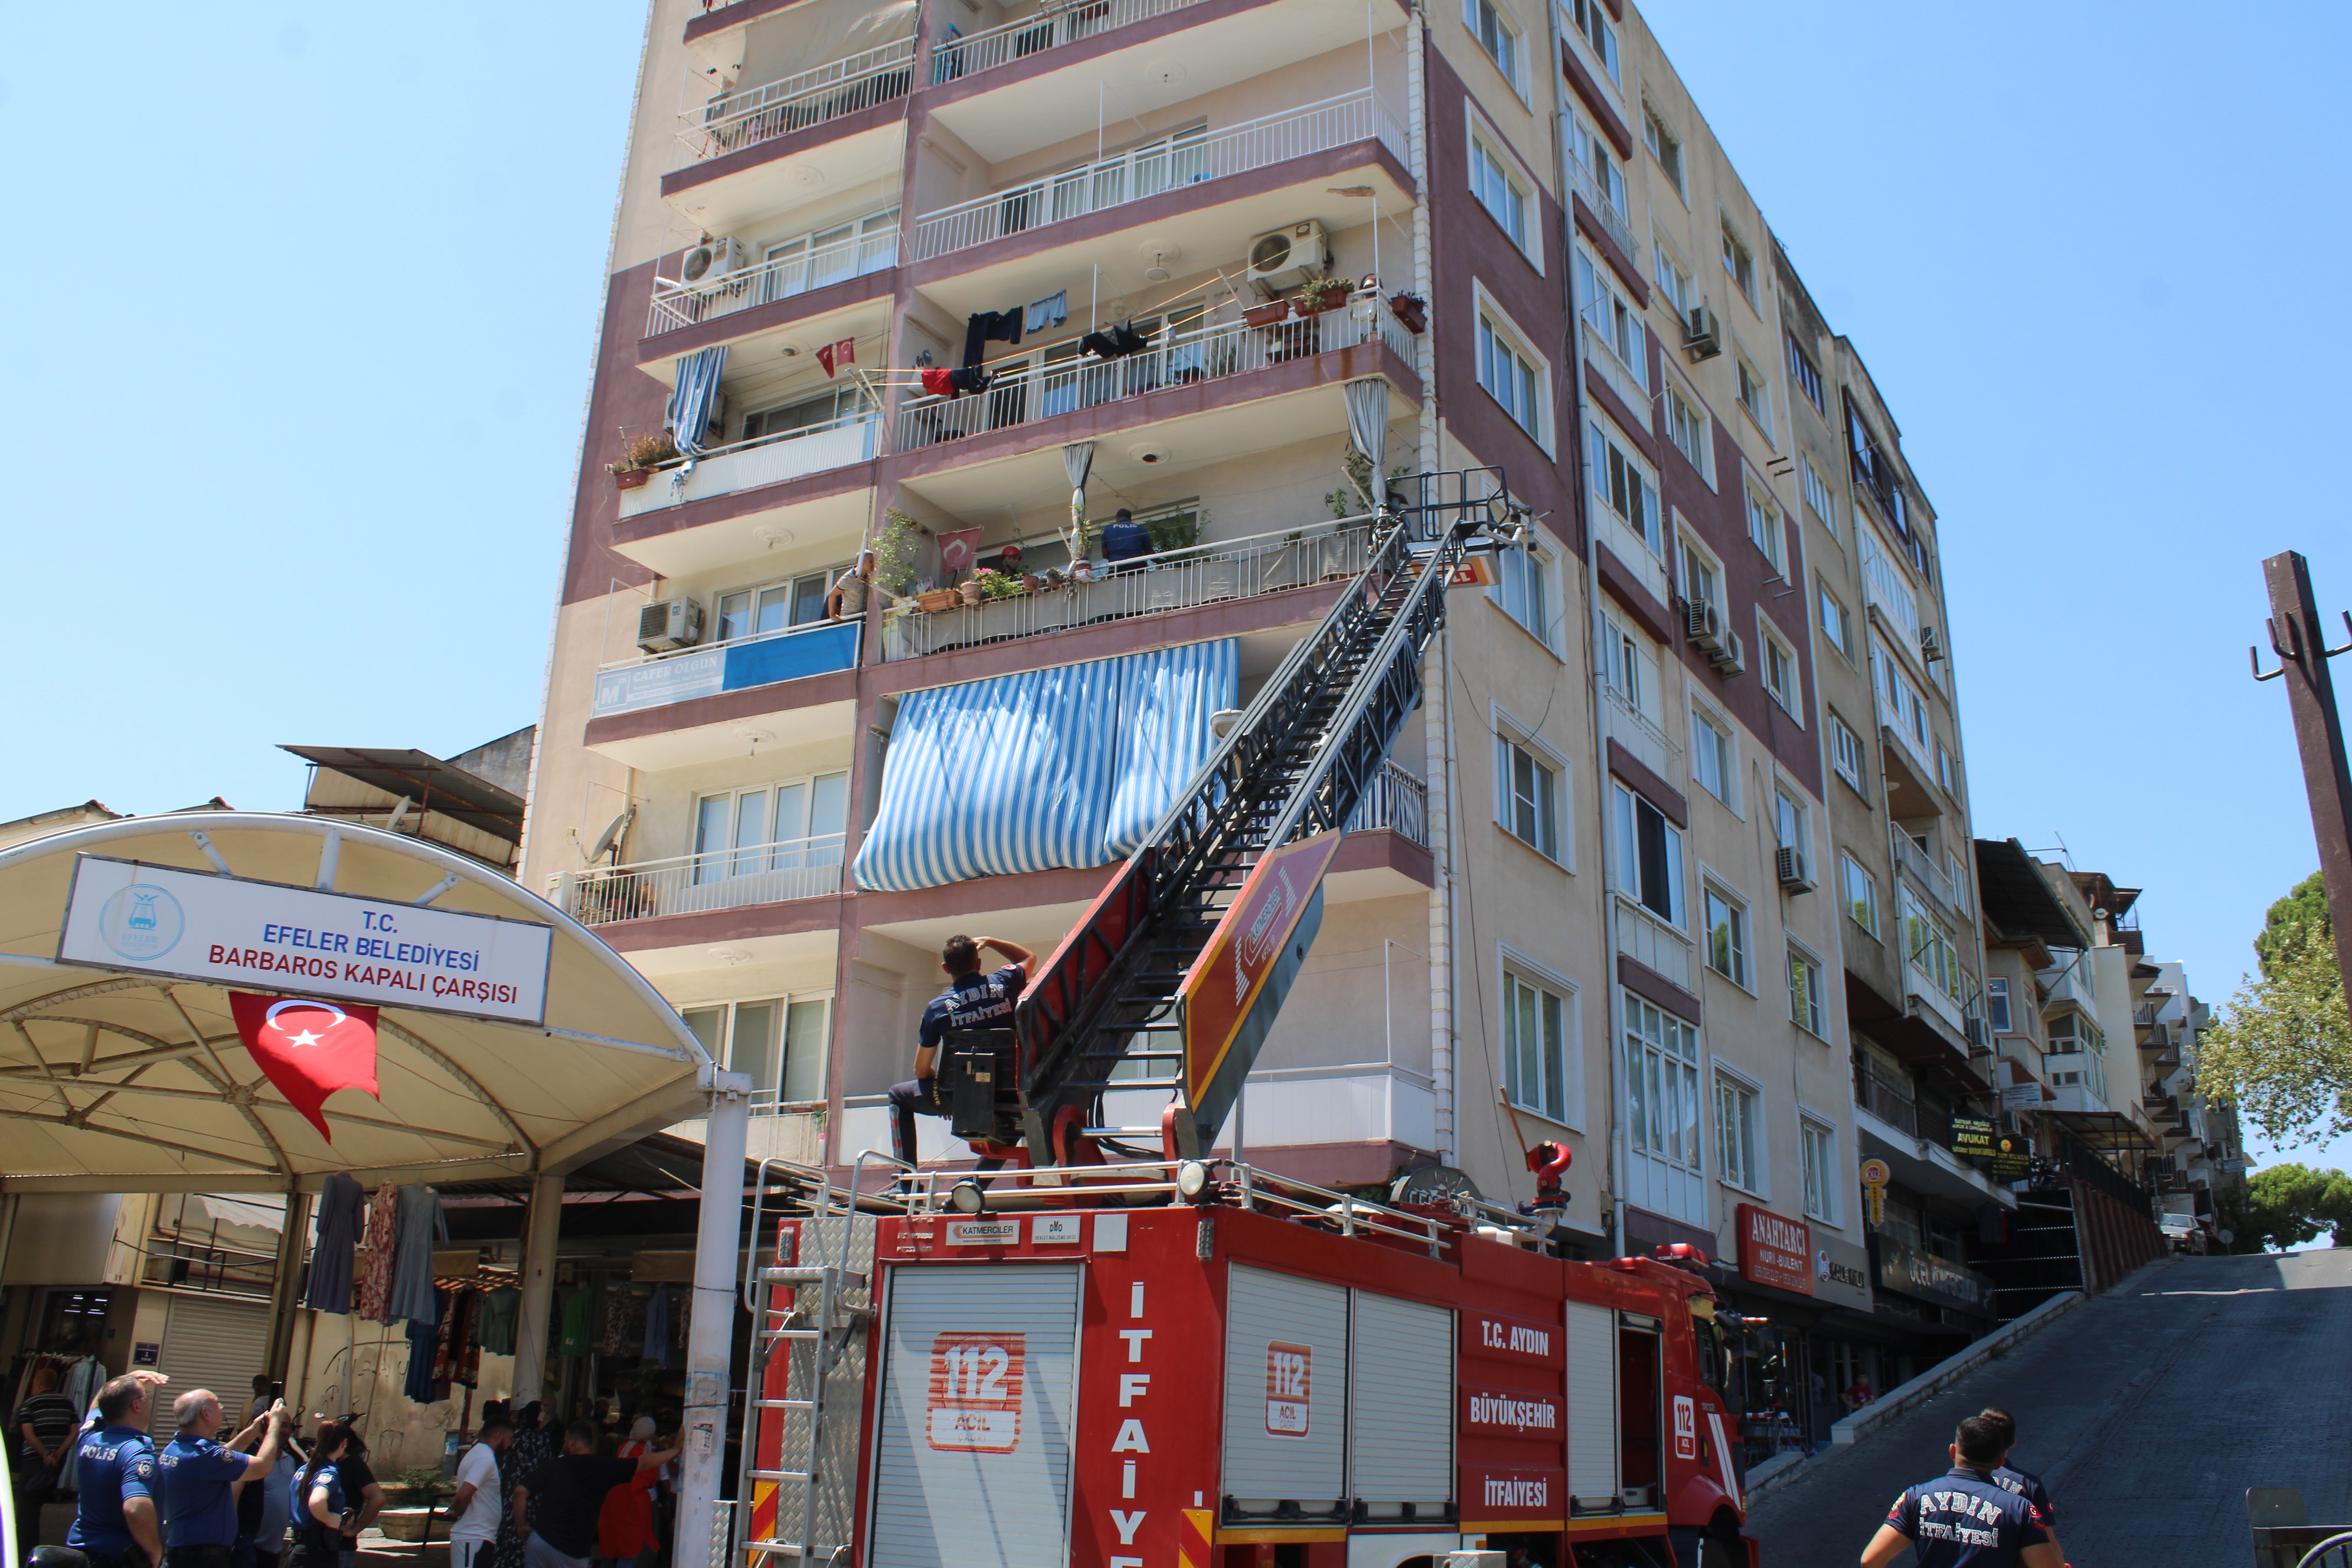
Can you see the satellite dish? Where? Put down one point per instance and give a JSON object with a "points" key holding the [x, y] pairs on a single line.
{"points": [[1441, 1184], [611, 836]]}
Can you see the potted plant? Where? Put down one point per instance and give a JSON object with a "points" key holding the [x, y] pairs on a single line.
{"points": [[994, 584], [640, 457], [894, 552], [933, 600], [1412, 311], [1266, 315], [1317, 297], [420, 1491]]}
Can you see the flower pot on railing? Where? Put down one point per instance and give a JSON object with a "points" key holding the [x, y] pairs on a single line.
{"points": [[631, 479], [968, 591], [1411, 313], [1318, 298], [937, 599], [1266, 315]]}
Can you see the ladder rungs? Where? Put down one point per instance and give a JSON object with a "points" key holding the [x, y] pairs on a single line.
{"points": [[791, 1333], [785, 1403], [781, 1476]]}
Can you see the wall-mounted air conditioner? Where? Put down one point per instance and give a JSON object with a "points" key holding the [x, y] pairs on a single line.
{"points": [[667, 624], [1284, 256], [1731, 658], [710, 261], [1702, 334], [1703, 624], [1795, 875], [1931, 647]]}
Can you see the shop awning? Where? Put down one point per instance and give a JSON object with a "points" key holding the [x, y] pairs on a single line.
{"points": [[131, 1077]]}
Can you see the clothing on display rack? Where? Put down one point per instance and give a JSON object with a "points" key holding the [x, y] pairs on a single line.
{"points": [[578, 1307], [374, 1277], [342, 1208], [655, 1348], [616, 1323], [421, 1337], [500, 1308], [456, 1358], [421, 1224]]}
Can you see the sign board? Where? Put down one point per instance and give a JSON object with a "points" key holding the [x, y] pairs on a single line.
{"points": [[1907, 1271], [1246, 951], [1775, 1251], [2021, 1097], [1511, 1413], [2011, 1163], [659, 681], [983, 1233], [1521, 1341], [302, 941], [1841, 1272], [1874, 1177], [1685, 1426], [975, 1394], [1972, 1136], [1290, 1382]]}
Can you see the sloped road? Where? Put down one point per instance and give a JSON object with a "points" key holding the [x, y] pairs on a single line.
{"points": [[2149, 1415]]}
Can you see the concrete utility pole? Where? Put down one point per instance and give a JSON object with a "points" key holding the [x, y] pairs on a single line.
{"points": [[2302, 646]]}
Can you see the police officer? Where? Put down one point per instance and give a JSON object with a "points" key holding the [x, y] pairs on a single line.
{"points": [[1966, 1519], [114, 1513], [197, 1475], [971, 1001], [2024, 1483]]}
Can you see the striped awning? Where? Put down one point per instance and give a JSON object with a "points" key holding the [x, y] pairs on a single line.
{"points": [[1071, 766]]}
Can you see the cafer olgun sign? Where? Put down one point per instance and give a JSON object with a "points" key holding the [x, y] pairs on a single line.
{"points": [[267, 936]]}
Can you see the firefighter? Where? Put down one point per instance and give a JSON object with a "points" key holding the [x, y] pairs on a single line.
{"points": [[2024, 1483], [1965, 1518], [971, 1001]]}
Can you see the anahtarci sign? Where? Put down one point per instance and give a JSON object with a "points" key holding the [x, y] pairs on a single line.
{"points": [[232, 930]]}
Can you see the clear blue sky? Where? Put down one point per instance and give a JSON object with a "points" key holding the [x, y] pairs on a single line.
{"points": [[305, 298]]}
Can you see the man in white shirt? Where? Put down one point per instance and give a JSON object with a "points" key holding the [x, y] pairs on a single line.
{"points": [[474, 1512]]}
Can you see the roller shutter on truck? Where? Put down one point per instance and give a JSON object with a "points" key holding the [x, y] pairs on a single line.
{"points": [[1591, 1405], [1401, 1406], [1285, 1391], [978, 1396]]}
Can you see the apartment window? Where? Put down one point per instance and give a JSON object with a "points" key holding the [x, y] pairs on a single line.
{"points": [[1997, 1003], [1531, 796], [1509, 377], [814, 260], [1764, 529], [1664, 146], [1944, 768], [1591, 23], [1739, 261], [1789, 820], [1816, 492], [1817, 1151], [1727, 936], [1781, 672], [1661, 1082], [1649, 857], [1833, 624], [1525, 592], [1929, 947], [1755, 396], [1612, 318], [1673, 278], [775, 828], [1860, 889], [1701, 583], [1503, 197], [1739, 1161], [1805, 1008], [1496, 35], [1623, 484], [2071, 1033], [1535, 1047], [774, 606], [1845, 754], [1804, 372], [778, 1041], [1899, 698], [1713, 757], [810, 414], [1686, 429]]}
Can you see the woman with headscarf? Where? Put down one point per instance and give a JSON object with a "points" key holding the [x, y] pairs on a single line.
{"points": [[625, 1527], [531, 1447]]}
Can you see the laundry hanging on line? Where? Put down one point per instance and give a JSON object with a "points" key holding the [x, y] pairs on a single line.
{"points": [[985, 327], [1050, 311], [1120, 341]]}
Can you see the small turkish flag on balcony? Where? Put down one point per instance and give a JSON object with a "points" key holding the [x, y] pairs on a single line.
{"points": [[309, 1048]]}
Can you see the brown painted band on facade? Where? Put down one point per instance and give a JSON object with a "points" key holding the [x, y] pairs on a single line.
{"points": [[1643, 981], [876, 285], [1635, 428], [1589, 92], [1617, 581], [1636, 776], [1587, 224]]}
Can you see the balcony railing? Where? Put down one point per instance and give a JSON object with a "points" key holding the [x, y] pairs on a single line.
{"points": [[1160, 166], [1896, 1109], [762, 460], [1647, 939], [682, 675], [1920, 869], [1042, 389], [779, 277], [1612, 222], [1150, 584], [1051, 28], [1632, 729], [693, 884], [751, 115], [1396, 800]]}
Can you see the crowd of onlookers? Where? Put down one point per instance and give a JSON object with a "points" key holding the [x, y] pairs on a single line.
{"points": [[531, 1490]]}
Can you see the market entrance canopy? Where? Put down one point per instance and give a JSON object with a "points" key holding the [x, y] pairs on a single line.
{"points": [[510, 1039]]}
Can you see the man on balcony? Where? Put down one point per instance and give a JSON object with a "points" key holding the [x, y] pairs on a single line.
{"points": [[971, 1001], [1124, 540]]}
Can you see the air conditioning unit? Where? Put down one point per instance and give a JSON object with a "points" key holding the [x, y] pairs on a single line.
{"points": [[711, 261], [1702, 334], [1704, 626], [1283, 257], [1974, 1028], [1790, 864], [1931, 647], [1730, 658], [668, 624]]}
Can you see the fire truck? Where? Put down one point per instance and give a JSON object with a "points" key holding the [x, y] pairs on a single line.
{"points": [[1102, 1353]]}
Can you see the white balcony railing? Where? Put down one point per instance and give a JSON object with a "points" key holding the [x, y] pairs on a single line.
{"points": [[1921, 870], [1887, 588], [1395, 800], [763, 460], [1052, 28], [1647, 939], [747, 116], [1632, 729], [779, 277], [692, 884], [1160, 166], [1613, 223], [1150, 584], [1040, 389]]}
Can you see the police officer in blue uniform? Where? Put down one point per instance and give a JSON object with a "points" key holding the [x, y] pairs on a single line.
{"points": [[971, 1001], [1966, 1519], [2024, 1483], [114, 1512], [197, 1476]]}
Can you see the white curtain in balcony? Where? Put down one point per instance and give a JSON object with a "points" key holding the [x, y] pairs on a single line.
{"points": [[696, 398], [1368, 423], [1066, 767], [1078, 461]]}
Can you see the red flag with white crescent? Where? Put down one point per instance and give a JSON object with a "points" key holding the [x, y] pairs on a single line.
{"points": [[309, 1048]]}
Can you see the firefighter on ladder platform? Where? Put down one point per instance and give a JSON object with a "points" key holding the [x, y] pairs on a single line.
{"points": [[971, 1001]]}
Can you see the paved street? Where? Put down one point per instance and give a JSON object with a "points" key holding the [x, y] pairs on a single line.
{"points": [[2237, 1364]]}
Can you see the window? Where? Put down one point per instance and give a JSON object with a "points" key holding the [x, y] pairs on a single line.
{"points": [[1944, 769], [1509, 377], [1675, 280], [1804, 372], [1805, 994], [1502, 196], [1781, 673], [1817, 1151], [2071, 1033], [779, 1041], [1754, 396], [811, 413], [777, 830], [1764, 529], [1845, 754], [1535, 1047], [1525, 592], [1664, 146], [1649, 857], [1738, 1160], [1623, 485], [1713, 758], [1997, 1003], [814, 261], [775, 607], [1631, 668], [1701, 583], [1591, 23], [1860, 889], [1739, 261], [1496, 35], [1686, 429], [1789, 820], [1899, 701], [1834, 625], [1661, 1082], [1816, 489], [1529, 803], [1929, 947], [1612, 318], [1727, 936]]}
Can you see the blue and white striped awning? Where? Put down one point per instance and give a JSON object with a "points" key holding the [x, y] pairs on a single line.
{"points": [[1071, 766]]}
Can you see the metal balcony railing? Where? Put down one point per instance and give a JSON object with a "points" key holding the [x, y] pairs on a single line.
{"points": [[1613, 223], [1041, 390], [1052, 28], [1396, 800], [747, 116], [1645, 939], [677, 305], [1633, 730], [1916, 864], [761, 460], [691, 884], [1159, 167], [1896, 1109]]}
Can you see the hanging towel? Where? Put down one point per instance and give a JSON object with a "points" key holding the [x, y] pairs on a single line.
{"points": [[376, 1266], [1050, 311], [422, 1334], [657, 1342], [421, 1224], [341, 1209], [499, 1310], [990, 326]]}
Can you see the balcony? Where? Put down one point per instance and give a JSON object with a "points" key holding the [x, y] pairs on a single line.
{"points": [[1633, 730], [1052, 28], [657, 680], [749, 465], [749, 116], [1887, 1103], [1396, 801], [1152, 585], [697, 884], [1650, 941], [1916, 864], [1613, 223], [755, 151], [677, 306]]}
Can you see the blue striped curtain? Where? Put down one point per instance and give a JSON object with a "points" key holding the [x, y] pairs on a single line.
{"points": [[696, 396], [1066, 767]]}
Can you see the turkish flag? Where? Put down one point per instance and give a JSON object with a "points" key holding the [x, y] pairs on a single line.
{"points": [[309, 1048], [957, 549]]}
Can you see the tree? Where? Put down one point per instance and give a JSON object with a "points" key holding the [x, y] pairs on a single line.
{"points": [[2288, 1206], [2283, 1050]]}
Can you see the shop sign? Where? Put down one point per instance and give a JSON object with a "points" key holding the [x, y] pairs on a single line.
{"points": [[1775, 1251], [658, 682], [2021, 1097], [231, 931], [1972, 1136], [1907, 1271], [1841, 1272], [2011, 1163]]}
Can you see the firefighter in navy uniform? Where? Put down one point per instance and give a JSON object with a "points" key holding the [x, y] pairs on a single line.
{"points": [[1966, 1519], [2024, 1483], [971, 1001]]}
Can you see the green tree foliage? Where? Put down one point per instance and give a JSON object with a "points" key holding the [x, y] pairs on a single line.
{"points": [[2283, 1051], [2289, 1205]]}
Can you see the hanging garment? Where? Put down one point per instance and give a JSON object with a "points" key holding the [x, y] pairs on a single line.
{"points": [[578, 1306], [1121, 341], [422, 1333], [616, 1323], [421, 1224], [375, 1265], [935, 381], [341, 1209], [969, 378], [1050, 311], [499, 1310], [655, 1348], [990, 326]]}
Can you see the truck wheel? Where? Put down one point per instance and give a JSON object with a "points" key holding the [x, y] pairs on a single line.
{"points": [[1717, 1553]]}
